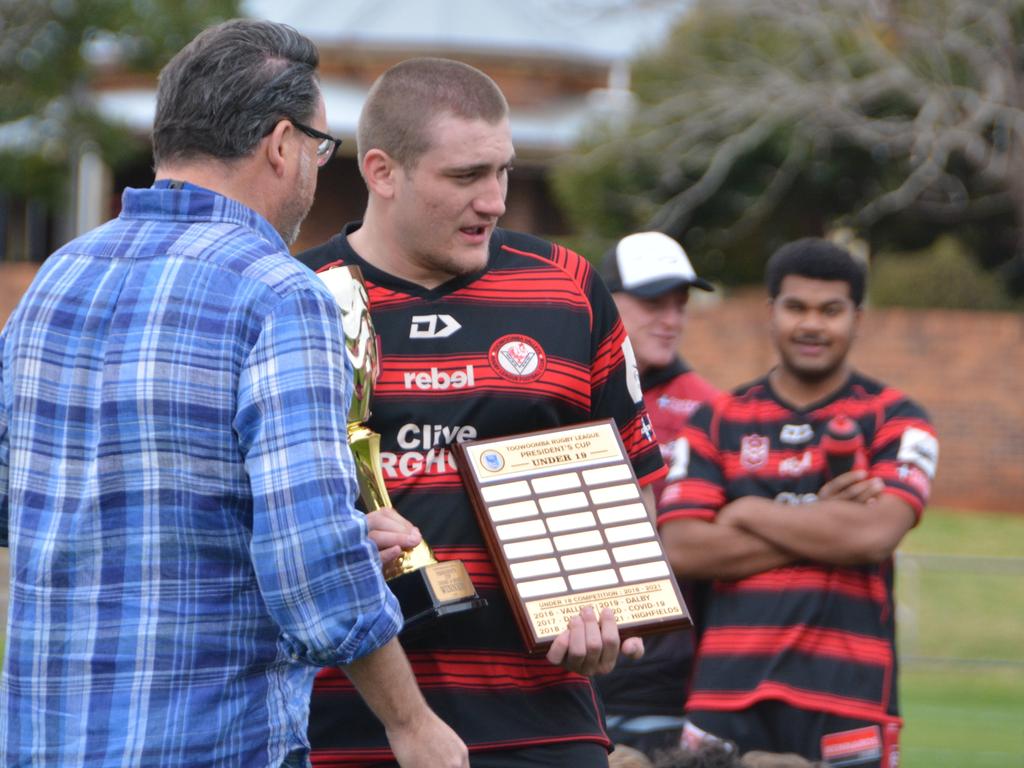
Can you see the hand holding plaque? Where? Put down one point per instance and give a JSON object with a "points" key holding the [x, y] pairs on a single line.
{"points": [[565, 523], [425, 587]]}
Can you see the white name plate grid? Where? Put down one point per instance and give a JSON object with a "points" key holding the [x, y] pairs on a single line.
{"points": [[565, 523]]}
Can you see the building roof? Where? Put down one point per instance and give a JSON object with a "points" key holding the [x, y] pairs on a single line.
{"points": [[599, 30], [600, 33]]}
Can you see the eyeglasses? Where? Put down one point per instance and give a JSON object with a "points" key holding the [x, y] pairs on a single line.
{"points": [[328, 144]]}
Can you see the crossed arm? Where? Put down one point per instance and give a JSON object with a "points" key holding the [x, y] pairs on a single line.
{"points": [[852, 522]]}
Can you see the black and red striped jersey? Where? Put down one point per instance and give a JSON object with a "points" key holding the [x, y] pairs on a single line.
{"points": [[531, 342], [656, 683], [816, 636], [672, 395]]}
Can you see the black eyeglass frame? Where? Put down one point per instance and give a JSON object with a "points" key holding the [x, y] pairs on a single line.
{"points": [[323, 152]]}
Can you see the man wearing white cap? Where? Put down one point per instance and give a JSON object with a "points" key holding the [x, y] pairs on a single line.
{"points": [[650, 278]]}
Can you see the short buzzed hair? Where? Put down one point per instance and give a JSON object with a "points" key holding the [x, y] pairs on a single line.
{"points": [[405, 100], [817, 259]]}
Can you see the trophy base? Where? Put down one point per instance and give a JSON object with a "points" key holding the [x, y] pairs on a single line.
{"points": [[435, 590]]}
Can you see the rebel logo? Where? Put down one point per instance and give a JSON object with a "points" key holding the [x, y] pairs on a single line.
{"points": [[437, 379], [795, 466], [517, 358]]}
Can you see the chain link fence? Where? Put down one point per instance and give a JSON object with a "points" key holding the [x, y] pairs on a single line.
{"points": [[960, 610]]}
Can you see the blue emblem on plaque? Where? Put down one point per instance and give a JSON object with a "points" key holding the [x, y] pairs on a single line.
{"points": [[492, 460]]}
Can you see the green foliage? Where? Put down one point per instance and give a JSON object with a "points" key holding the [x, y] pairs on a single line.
{"points": [[603, 198], [943, 275], [50, 54], [761, 122], [50, 48]]}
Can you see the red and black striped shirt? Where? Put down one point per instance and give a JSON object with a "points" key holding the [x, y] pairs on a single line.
{"points": [[814, 635], [529, 343], [656, 684]]}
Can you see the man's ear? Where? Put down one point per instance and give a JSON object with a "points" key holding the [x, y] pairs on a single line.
{"points": [[379, 171], [277, 145]]}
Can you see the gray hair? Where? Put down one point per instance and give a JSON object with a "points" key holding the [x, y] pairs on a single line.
{"points": [[229, 87]]}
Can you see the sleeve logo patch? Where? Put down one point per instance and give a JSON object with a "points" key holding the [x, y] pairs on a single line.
{"points": [[919, 448], [677, 455], [632, 373]]}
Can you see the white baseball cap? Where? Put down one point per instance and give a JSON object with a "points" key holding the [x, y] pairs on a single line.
{"points": [[648, 264]]}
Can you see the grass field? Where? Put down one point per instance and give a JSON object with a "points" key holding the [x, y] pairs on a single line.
{"points": [[962, 718], [960, 587]]}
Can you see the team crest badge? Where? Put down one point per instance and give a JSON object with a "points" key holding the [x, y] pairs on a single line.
{"points": [[492, 460], [517, 358], [753, 451]]}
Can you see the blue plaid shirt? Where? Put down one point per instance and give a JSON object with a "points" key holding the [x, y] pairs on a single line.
{"points": [[178, 496]]}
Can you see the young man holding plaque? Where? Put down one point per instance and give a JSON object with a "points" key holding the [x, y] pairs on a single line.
{"points": [[484, 333], [650, 278], [797, 652], [175, 481]]}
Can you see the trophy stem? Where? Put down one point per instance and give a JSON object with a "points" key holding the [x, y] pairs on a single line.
{"points": [[426, 588], [365, 445]]}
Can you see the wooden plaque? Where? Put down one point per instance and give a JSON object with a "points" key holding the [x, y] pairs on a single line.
{"points": [[565, 524]]}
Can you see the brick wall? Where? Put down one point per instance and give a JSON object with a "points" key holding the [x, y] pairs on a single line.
{"points": [[966, 368], [14, 279]]}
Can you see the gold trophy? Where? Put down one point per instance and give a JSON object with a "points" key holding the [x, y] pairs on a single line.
{"points": [[425, 587]]}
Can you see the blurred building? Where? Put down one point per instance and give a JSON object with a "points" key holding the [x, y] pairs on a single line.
{"points": [[563, 64]]}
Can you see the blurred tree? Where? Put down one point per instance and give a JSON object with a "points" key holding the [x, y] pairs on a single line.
{"points": [[763, 120], [942, 276], [50, 52]]}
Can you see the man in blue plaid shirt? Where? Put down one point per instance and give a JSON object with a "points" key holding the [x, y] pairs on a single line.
{"points": [[175, 485]]}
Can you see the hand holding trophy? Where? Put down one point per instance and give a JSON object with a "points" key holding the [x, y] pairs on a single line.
{"points": [[425, 587]]}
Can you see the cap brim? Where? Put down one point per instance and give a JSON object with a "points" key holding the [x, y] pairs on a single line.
{"points": [[655, 289]]}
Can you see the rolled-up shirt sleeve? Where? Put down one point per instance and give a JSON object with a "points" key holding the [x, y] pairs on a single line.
{"points": [[318, 572]]}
